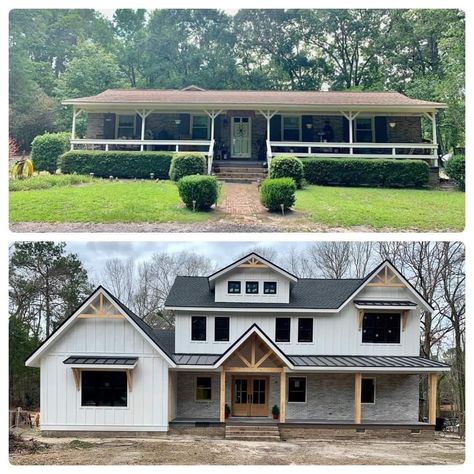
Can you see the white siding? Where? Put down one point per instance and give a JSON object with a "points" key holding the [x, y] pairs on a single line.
{"points": [[248, 274], [61, 409], [333, 333]]}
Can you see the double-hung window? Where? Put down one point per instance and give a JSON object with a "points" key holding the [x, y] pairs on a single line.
{"points": [[364, 129], [125, 126], [381, 328], [203, 389], [282, 329], [198, 328], [305, 329], [221, 328], [291, 128], [297, 389], [200, 127]]}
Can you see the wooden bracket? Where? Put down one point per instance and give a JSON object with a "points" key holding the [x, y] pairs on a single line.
{"points": [[404, 319], [360, 315], [77, 378], [130, 379]]}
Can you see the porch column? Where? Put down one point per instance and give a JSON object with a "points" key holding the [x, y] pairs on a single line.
{"points": [[75, 113], [222, 398], [213, 114], [350, 117], [432, 397], [433, 124], [143, 114], [357, 399], [282, 396]]}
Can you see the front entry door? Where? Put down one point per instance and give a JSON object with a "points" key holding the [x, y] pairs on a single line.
{"points": [[241, 137], [250, 396]]}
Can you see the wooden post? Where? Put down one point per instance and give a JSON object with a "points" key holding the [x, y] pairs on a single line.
{"points": [[357, 399], [351, 133], [433, 124], [142, 136], [213, 116], [282, 396], [432, 398], [222, 398]]}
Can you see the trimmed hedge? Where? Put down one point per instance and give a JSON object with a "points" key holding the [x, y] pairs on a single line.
{"points": [[366, 172], [456, 170], [287, 167], [277, 191], [187, 164], [46, 150], [120, 164], [204, 190]]}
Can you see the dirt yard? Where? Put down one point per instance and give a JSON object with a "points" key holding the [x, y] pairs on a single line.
{"points": [[197, 450]]}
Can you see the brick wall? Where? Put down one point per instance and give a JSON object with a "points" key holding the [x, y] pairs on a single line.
{"points": [[406, 130], [95, 125]]}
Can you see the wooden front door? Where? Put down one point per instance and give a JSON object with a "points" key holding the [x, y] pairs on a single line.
{"points": [[241, 137], [250, 396]]}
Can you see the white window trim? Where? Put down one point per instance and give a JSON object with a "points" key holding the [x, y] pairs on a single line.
{"points": [[289, 339], [372, 124], [305, 389], [83, 407], [300, 134], [191, 329], [380, 344], [117, 120], [375, 391], [195, 389], [230, 337], [191, 123], [229, 281]]}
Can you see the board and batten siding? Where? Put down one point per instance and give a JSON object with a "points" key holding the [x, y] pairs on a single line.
{"points": [[333, 333], [61, 408]]}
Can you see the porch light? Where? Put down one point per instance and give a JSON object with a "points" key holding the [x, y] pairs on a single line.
{"points": [[177, 121], [392, 124], [309, 126]]}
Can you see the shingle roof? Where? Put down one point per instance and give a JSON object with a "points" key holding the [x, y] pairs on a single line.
{"points": [[271, 98], [305, 294]]}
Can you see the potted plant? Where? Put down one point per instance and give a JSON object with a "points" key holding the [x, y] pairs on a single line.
{"points": [[227, 411], [275, 412]]}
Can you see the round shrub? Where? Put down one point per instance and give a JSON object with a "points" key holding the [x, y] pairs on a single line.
{"points": [[186, 164], [277, 191], [287, 167], [204, 190], [456, 170], [46, 150]]}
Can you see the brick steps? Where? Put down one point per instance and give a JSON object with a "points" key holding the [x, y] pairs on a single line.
{"points": [[252, 433], [238, 174]]}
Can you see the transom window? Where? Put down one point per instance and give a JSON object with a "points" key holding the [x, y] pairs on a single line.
{"points": [[198, 328], [364, 129], [233, 287], [270, 287], [282, 329], [251, 287], [368, 391], [381, 328], [125, 126], [103, 388], [291, 127], [297, 389], [200, 127], [305, 330], [203, 388], [221, 329]]}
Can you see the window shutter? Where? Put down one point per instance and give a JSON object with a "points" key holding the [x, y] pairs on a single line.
{"points": [[381, 129], [307, 133], [138, 127], [345, 130], [109, 126], [184, 126], [275, 128]]}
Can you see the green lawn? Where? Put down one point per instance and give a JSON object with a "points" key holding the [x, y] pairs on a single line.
{"points": [[103, 201], [421, 210]]}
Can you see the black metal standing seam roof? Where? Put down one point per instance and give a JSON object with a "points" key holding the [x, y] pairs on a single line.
{"points": [[305, 294], [88, 360], [384, 303], [196, 359]]}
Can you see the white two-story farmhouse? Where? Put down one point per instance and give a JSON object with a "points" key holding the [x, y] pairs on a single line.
{"points": [[247, 339]]}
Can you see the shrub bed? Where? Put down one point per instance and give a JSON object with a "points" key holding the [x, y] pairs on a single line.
{"points": [[366, 172], [204, 190], [120, 164], [456, 170], [277, 191], [287, 167], [187, 164], [46, 150]]}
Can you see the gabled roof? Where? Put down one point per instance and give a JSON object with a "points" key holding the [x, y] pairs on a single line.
{"points": [[137, 322]]}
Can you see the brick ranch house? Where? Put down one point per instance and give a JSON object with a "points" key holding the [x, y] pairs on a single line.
{"points": [[340, 355], [247, 128]]}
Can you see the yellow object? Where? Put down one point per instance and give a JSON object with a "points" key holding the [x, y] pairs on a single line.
{"points": [[23, 169]]}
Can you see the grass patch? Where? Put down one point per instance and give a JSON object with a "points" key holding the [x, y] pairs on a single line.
{"points": [[79, 444], [402, 209], [105, 202], [45, 181]]}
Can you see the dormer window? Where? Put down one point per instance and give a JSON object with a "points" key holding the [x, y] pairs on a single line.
{"points": [[270, 288], [233, 287], [251, 287]]}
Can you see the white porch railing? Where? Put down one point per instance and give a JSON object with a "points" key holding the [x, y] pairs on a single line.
{"points": [[269, 156]]}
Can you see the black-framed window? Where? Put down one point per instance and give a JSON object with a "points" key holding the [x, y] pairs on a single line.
{"points": [[233, 287], [291, 127], [100, 388], [198, 328], [282, 329], [305, 329], [270, 287], [251, 287], [221, 328], [368, 391], [203, 388], [381, 328], [297, 389]]}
